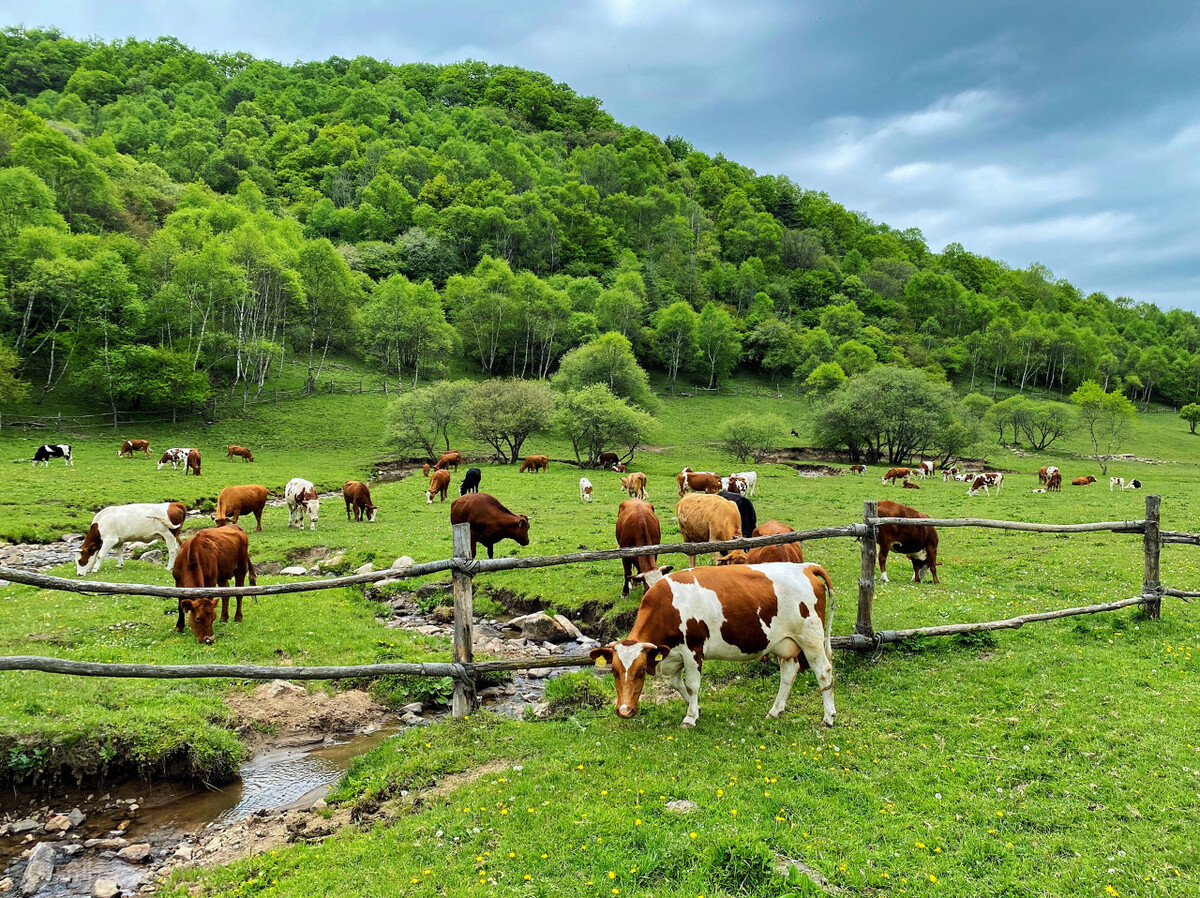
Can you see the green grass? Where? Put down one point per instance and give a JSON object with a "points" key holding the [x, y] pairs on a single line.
{"points": [[1058, 759]]}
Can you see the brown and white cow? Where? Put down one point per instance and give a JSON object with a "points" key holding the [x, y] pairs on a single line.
{"points": [[618, 469], [735, 483], [131, 446], [209, 559], [984, 481], [490, 521], [1083, 481], [895, 474], [697, 482], [635, 485], [439, 483], [791, 553], [708, 518], [1054, 482], [535, 463], [585, 489], [241, 452], [950, 473], [1044, 473], [115, 526], [637, 525], [451, 459], [193, 462], [358, 498], [174, 458], [301, 497], [919, 543], [860, 470], [925, 469], [727, 614], [751, 480], [235, 501]]}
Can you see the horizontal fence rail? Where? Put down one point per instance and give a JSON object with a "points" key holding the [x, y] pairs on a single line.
{"points": [[1114, 526]]}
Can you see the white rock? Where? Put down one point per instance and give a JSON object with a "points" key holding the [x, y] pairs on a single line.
{"points": [[682, 806], [59, 823], [413, 708], [365, 569], [282, 687], [184, 852], [403, 561], [39, 870], [105, 888], [294, 571], [571, 629], [135, 854]]}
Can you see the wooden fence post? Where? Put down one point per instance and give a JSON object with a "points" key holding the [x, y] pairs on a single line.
{"points": [[464, 700], [866, 573], [1151, 586], [58, 423]]}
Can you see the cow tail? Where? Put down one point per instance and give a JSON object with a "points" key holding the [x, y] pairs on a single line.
{"points": [[824, 575]]}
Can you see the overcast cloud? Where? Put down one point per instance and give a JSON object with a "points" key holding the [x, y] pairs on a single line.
{"points": [[1063, 133]]}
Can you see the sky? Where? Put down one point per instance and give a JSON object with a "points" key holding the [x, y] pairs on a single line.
{"points": [[1064, 133]]}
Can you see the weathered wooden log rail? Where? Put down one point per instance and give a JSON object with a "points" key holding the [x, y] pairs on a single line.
{"points": [[464, 669]]}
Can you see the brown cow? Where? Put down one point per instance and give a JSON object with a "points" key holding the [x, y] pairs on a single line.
{"points": [[358, 496], [704, 518], [789, 552], [697, 482], [425, 469], [637, 525], [235, 501], [535, 463], [909, 485], [132, 446], [1083, 481], [439, 483], [860, 470], [608, 459], [209, 559], [490, 521], [451, 459], [635, 485], [895, 474], [1054, 482], [193, 462], [920, 544], [241, 452]]}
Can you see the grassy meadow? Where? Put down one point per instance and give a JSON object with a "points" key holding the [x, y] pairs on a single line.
{"points": [[1059, 759]]}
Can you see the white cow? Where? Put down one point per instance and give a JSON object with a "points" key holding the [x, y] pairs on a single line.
{"points": [[301, 497], [117, 525], [585, 489]]}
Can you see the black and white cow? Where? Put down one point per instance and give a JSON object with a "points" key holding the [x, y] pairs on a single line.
{"points": [[47, 452]]}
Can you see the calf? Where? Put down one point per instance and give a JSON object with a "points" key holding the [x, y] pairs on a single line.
{"points": [[1054, 482], [909, 485], [1083, 481], [193, 463], [113, 527], [44, 453], [919, 543], [746, 513], [535, 463], [618, 469], [1114, 482], [174, 458], [235, 501], [490, 521], [950, 473], [1132, 485], [637, 525], [791, 553], [301, 497], [697, 481], [709, 518], [439, 485], [585, 489], [241, 452], [470, 483], [860, 470], [451, 459], [895, 474], [984, 481], [209, 559], [358, 498], [727, 614], [131, 446], [635, 485]]}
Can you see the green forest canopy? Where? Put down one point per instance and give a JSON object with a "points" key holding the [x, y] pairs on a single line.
{"points": [[174, 221]]}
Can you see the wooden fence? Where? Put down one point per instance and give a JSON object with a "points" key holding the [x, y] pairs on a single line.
{"points": [[464, 669]]}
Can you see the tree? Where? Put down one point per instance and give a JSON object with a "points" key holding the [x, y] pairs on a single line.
{"points": [[1107, 417], [595, 421], [750, 436], [1047, 422], [404, 327], [420, 422], [718, 344], [1191, 414], [824, 381], [675, 329], [1010, 414], [503, 413], [12, 389], [608, 359]]}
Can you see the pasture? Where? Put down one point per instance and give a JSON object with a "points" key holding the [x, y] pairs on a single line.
{"points": [[1059, 759]]}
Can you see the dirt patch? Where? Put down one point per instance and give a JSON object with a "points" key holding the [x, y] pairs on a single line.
{"points": [[306, 555], [284, 714], [805, 469]]}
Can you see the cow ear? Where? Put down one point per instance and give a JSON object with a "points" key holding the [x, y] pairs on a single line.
{"points": [[186, 605], [665, 569], [654, 655], [601, 654]]}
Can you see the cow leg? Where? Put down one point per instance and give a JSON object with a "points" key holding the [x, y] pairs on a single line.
{"points": [[822, 668], [179, 623], [258, 517], [239, 579], [788, 668], [627, 564], [883, 554], [224, 601], [671, 667], [172, 550], [691, 685]]}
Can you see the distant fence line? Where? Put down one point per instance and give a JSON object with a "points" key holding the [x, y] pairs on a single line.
{"points": [[463, 669]]}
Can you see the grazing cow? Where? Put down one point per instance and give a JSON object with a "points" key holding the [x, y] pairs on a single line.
{"points": [[746, 512], [985, 480], [301, 497], [860, 470], [618, 469], [585, 489], [950, 473], [1083, 481], [792, 553], [909, 485], [1054, 482], [117, 525], [1132, 485], [193, 463], [635, 485], [708, 518], [895, 474], [235, 501], [751, 479], [608, 459], [451, 459], [470, 483], [241, 452], [637, 525], [425, 469], [535, 463], [920, 544], [1044, 473], [925, 469], [174, 458], [358, 497], [698, 481], [490, 521], [44, 453], [439, 485], [131, 446], [727, 614], [209, 559]]}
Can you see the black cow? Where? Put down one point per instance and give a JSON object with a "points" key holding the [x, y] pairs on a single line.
{"points": [[745, 510], [470, 482], [47, 452]]}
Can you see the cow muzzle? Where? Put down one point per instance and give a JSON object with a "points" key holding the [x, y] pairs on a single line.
{"points": [[626, 712]]}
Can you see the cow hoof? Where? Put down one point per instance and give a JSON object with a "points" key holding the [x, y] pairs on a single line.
{"points": [[773, 715], [688, 724], [237, 618], [827, 723]]}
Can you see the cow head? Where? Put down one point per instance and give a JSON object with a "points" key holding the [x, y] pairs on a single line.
{"points": [[201, 614], [521, 530], [649, 578], [733, 556], [631, 662], [313, 506], [369, 511], [89, 551]]}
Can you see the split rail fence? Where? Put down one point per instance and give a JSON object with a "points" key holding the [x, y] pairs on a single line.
{"points": [[463, 668]]}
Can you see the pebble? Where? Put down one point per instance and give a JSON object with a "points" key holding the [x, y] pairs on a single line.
{"points": [[135, 854]]}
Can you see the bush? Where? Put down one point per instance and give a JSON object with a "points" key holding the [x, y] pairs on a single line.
{"points": [[573, 691], [750, 436]]}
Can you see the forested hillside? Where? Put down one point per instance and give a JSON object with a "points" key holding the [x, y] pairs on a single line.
{"points": [[174, 223]]}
